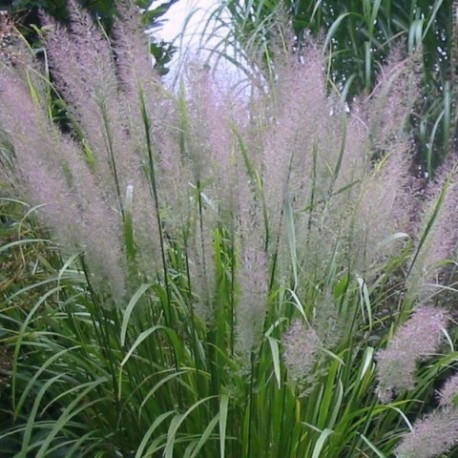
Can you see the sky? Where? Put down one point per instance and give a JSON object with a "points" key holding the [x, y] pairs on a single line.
{"points": [[194, 14], [176, 16]]}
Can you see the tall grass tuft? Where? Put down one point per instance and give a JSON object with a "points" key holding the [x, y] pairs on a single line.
{"points": [[199, 274]]}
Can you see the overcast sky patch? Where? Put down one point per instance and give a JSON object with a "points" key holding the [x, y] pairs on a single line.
{"points": [[186, 24]]}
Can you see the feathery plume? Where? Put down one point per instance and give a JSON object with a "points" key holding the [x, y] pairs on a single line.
{"points": [[252, 270], [449, 392], [55, 177], [384, 208], [438, 238], [391, 102], [301, 345], [417, 339], [252, 307], [433, 435]]}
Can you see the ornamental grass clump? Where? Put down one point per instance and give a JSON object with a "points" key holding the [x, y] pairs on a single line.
{"points": [[208, 275]]}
